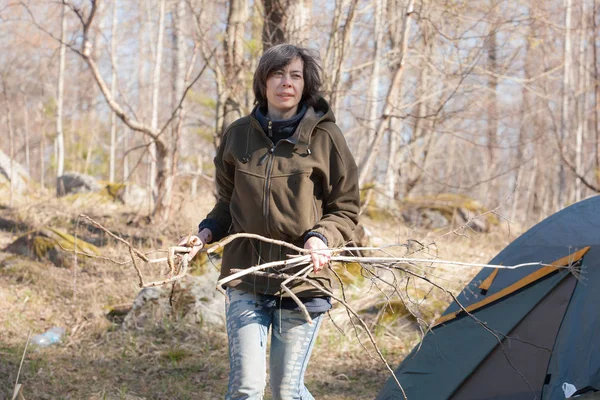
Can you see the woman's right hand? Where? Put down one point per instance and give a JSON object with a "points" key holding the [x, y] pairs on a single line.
{"points": [[196, 242]]}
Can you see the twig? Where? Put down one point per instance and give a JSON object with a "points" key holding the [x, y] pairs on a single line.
{"points": [[120, 239], [294, 261], [17, 385], [303, 272]]}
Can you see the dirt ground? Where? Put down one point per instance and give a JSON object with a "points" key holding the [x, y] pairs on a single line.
{"points": [[176, 358]]}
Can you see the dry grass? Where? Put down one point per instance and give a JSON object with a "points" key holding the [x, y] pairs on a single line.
{"points": [[175, 358]]}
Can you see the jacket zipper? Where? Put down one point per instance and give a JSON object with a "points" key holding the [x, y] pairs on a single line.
{"points": [[267, 191]]}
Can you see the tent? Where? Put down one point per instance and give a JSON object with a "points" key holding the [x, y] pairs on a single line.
{"points": [[545, 319]]}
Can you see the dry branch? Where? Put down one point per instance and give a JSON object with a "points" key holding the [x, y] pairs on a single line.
{"points": [[178, 260]]}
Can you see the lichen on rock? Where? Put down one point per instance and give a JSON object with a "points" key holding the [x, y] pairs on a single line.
{"points": [[52, 244]]}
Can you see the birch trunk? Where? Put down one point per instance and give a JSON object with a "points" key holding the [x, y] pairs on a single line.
{"points": [[395, 128], [27, 144], [581, 106], [60, 141], [42, 145], [153, 150], [113, 91], [286, 21], [11, 145], [339, 41], [373, 93], [178, 89], [390, 102], [523, 137], [492, 115], [595, 45], [232, 93], [561, 197]]}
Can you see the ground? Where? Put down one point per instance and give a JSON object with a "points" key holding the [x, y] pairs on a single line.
{"points": [[171, 358]]}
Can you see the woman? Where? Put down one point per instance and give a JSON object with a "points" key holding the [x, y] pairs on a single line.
{"points": [[284, 172]]}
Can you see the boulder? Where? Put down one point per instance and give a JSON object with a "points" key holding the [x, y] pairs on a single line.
{"points": [[20, 176], [74, 182], [447, 210], [135, 195], [51, 244], [194, 300]]}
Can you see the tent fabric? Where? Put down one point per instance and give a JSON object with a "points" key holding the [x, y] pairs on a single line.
{"points": [[571, 259], [540, 327], [557, 315]]}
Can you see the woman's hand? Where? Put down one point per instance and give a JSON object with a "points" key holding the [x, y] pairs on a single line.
{"points": [[319, 258], [196, 242]]}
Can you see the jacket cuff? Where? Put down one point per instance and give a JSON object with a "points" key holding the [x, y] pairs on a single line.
{"points": [[215, 229], [315, 234]]}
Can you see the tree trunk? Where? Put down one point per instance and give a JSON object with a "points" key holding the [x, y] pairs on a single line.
{"points": [[374, 84], [178, 89], [523, 138], [390, 102], [561, 194], [286, 21], [339, 41], [113, 91], [27, 143], [42, 145], [60, 141], [153, 149], [232, 94], [595, 44], [11, 145], [582, 105], [492, 113]]}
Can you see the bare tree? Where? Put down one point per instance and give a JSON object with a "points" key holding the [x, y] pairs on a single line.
{"points": [[561, 193], [113, 91], [365, 166], [60, 142], [11, 139]]}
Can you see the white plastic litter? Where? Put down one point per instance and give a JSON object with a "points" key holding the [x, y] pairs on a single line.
{"points": [[568, 389]]}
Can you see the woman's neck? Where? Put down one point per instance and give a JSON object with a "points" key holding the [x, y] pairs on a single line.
{"points": [[277, 115]]}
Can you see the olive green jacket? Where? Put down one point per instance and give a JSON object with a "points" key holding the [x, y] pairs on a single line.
{"points": [[305, 183]]}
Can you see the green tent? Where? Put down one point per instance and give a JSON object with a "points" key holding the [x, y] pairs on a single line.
{"points": [[545, 322]]}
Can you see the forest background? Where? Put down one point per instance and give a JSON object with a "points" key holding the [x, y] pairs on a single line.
{"points": [[490, 102]]}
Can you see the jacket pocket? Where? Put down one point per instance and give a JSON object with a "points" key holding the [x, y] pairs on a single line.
{"points": [[293, 209], [246, 203]]}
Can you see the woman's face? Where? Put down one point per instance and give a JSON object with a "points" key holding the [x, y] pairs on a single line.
{"points": [[284, 89]]}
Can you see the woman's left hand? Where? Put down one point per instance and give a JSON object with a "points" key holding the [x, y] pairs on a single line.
{"points": [[321, 258]]}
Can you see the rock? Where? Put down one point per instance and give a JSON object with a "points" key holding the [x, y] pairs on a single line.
{"points": [[135, 195], [447, 209], [52, 244], [20, 176], [195, 300], [462, 217], [425, 218], [74, 182]]}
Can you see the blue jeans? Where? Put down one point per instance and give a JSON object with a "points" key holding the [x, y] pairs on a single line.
{"points": [[249, 317]]}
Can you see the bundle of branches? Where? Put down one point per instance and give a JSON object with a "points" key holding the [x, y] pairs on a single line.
{"points": [[385, 271]]}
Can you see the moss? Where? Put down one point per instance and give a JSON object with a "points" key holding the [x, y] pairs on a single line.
{"points": [[114, 190], [447, 203], [41, 245], [393, 310], [51, 244], [69, 242], [348, 272]]}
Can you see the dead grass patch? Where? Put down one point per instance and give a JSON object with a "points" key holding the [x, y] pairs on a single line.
{"points": [[172, 358]]}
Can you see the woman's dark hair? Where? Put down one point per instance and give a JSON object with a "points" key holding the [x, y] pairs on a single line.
{"points": [[276, 58]]}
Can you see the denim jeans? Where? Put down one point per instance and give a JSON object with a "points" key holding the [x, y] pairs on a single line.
{"points": [[249, 317]]}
